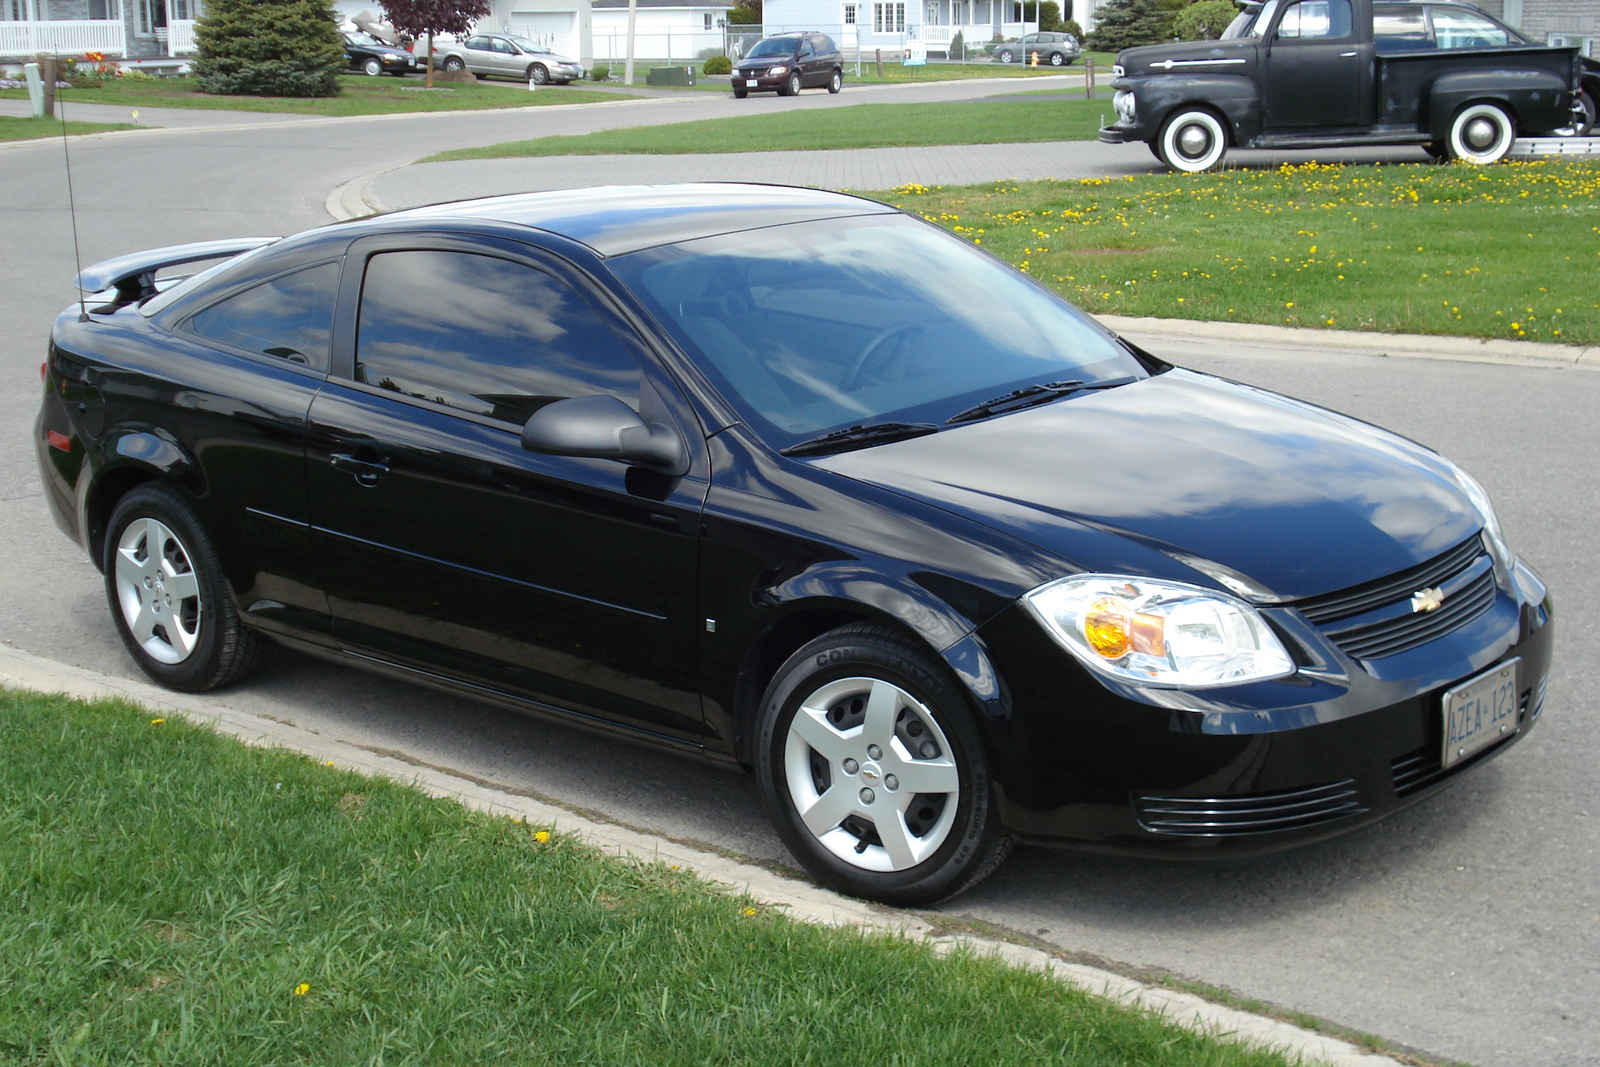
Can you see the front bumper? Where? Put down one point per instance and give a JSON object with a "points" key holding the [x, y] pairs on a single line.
{"points": [[762, 81], [1089, 765], [1118, 134]]}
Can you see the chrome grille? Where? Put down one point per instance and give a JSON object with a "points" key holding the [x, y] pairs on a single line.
{"points": [[1255, 813]]}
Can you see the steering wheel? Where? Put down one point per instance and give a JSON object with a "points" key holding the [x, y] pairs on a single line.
{"points": [[883, 350]]}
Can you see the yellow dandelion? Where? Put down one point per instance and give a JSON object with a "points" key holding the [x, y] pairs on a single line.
{"points": [[749, 912], [302, 989], [541, 836], [157, 722]]}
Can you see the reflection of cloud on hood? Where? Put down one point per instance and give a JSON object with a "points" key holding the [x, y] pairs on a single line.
{"points": [[1298, 498]]}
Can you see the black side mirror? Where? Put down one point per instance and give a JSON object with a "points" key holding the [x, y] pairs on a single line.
{"points": [[603, 427]]}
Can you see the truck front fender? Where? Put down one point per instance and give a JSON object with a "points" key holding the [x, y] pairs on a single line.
{"points": [[1235, 98], [1537, 99]]}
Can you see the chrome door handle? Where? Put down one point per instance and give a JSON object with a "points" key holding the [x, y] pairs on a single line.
{"points": [[1346, 55], [367, 472]]}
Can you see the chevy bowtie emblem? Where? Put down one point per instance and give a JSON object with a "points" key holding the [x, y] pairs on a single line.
{"points": [[1431, 599]]}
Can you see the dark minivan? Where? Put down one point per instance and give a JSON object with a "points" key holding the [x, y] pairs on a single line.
{"points": [[785, 63]]}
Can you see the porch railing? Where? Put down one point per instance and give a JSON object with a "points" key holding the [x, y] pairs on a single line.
{"points": [[67, 37], [180, 37]]}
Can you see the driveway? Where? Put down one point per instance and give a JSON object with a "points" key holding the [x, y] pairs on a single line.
{"points": [[1467, 927]]}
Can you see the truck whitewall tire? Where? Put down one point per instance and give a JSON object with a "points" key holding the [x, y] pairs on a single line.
{"points": [[1192, 140], [1481, 133]]}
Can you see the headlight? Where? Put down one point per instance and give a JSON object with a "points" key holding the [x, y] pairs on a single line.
{"points": [[1159, 633], [1122, 101], [777, 72], [1485, 509]]}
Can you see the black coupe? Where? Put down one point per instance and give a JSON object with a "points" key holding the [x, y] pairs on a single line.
{"points": [[791, 480]]}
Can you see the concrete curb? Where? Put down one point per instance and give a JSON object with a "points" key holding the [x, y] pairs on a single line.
{"points": [[799, 900], [1412, 346]]}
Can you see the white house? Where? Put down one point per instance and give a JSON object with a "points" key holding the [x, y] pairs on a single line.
{"points": [[117, 29], [663, 29], [892, 24]]}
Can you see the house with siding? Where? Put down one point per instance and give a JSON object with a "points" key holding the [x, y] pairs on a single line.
{"points": [[890, 25], [151, 30], [1569, 23], [670, 30]]}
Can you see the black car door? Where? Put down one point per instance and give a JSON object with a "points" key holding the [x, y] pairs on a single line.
{"points": [[456, 552], [1317, 73]]}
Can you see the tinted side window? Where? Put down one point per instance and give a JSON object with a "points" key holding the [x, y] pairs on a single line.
{"points": [[289, 317], [825, 43], [484, 335]]}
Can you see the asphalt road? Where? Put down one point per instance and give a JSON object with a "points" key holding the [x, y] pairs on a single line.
{"points": [[1468, 927]]}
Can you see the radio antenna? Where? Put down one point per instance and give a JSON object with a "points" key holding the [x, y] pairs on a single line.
{"points": [[72, 202]]}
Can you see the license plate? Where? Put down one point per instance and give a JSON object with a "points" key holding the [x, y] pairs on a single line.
{"points": [[751, 84], [1480, 712]]}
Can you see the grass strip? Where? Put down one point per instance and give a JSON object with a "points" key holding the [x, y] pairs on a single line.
{"points": [[174, 896], [859, 126], [1510, 251], [357, 96], [20, 129]]}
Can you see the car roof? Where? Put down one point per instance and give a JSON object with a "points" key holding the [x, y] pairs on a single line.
{"points": [[615, 220]]}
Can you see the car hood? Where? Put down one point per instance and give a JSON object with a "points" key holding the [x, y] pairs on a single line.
{"points": [[763, 62], [1191, 57], [1291, 500]]}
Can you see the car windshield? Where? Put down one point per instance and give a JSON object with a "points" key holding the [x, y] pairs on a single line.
{"points": [[811, 327], [774, 47], [363, 38], [527, 45], [1240, 25]]}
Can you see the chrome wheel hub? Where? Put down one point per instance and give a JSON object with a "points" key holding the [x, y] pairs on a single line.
{"points": [[1194, 140], [157, 591], [871, 774]]}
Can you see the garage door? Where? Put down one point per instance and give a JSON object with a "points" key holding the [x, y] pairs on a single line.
{"points": [[556, 30]]}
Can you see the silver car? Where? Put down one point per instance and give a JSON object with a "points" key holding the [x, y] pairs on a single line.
{"points": [[503, 55]]}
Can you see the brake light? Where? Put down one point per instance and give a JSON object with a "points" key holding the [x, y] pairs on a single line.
{"points": [[58, 440]]}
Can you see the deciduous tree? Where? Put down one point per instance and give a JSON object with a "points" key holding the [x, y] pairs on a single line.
{"points": [[424, 18]]}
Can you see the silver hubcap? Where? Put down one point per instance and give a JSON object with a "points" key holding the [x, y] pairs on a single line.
{"points": [[158, 591], [871, 774], [1194, 140], [1480, 134]]}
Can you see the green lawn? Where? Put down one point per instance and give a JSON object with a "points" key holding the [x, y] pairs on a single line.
{"points": [[859, 126], [174, 897], [358, 95], [1507, 251], [15, 129]]}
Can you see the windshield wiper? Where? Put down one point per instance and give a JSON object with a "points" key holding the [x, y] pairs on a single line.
{"points": [[855, 437], [1029, 395]]}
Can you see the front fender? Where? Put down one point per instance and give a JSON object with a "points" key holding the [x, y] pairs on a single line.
{"points": [[1157, 97], [1537, 99]]}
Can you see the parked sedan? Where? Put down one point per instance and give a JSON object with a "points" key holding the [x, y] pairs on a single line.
{"points": [[371, 56], [1053, 49], [793, 481], [505, 56]]}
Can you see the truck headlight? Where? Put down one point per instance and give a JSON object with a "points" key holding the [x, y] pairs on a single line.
{"points": [[1123, 102], [1159, 633]]}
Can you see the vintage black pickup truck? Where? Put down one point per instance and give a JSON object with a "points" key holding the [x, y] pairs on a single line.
{"points": [[1314, 73]]}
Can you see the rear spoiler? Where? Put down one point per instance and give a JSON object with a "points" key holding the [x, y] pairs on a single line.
{"points": [[133, 276]]}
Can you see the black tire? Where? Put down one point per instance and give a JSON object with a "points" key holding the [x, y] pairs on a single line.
{"points": [[452, 64], [1005, 55], [790, 87], [1583, 124], [371, 67], [538, 74], [836, 81], [168, 599], [1481, 133], [1192, 140], [739, 92], [865, 688]]}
